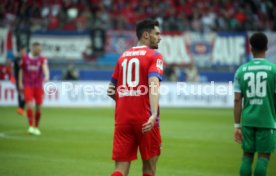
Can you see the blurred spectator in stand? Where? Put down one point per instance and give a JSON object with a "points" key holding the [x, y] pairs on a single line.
{"points": [[273, 16], [183, 23], [118, 19], [8, 57], [70, 11], [208, 20], [71, 73], [35, 14], [121, 23], [2, 14], [172, 73], [170, 22], [22, 27], [196, 22], [9, 14], [240, 20], [6, 72], [52, 15], [53, 22], [70, 23], [191, 74], [84, 20], [222, 23], [174, 15], [102, 19], [23, 19], [249, 18]]}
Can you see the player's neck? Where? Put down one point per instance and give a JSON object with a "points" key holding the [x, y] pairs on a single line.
{"points": [[259, 55], [34, 55], [142, 43]]}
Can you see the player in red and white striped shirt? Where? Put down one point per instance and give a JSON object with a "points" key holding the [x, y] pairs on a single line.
{"points": [[33, 72]]}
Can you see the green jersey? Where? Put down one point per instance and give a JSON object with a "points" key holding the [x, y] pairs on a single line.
{"points": [[256, 81]]}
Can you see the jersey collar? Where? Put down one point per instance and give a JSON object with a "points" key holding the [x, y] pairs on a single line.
{"points": [[31, 56], [259, 58], [142, 46]]}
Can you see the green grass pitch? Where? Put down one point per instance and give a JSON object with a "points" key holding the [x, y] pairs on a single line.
{"points": [[78, 141]]}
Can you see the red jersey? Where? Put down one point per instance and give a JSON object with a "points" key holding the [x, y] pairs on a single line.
{"points": [[5, 72], [32, 71], [130, 76]]}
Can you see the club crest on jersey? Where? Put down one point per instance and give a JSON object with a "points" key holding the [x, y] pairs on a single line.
{"points": [[159, 64]]}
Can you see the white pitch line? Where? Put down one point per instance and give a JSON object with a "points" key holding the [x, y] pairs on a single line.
{"points": [[2, 135], [14, 135]]}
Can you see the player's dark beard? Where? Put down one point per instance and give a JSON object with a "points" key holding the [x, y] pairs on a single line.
{"points": [[153, 46]]}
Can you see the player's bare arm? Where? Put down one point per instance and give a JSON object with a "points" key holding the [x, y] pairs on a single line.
{"points": [[45, 71], [275, 101], [111, 91], [237, 115], [153, 96]]}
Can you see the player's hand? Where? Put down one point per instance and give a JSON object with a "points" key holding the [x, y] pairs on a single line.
{"points": [[238, 135], [148, 125], [46, 79]]}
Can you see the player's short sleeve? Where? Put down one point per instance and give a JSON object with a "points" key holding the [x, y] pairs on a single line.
{"points": [[115, 75], [156, 66], [237, 86], [45, 60]]}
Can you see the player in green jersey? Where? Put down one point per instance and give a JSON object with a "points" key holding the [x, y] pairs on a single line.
{"points": [[254, 109]]}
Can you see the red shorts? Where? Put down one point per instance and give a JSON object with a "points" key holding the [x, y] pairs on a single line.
{"points": [[128, 138], [31, 94]]}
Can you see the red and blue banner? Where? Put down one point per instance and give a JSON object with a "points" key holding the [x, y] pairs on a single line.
{"points": [[203, 50]]}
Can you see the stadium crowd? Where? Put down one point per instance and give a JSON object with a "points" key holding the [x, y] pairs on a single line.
{"points": [[174, 15]]}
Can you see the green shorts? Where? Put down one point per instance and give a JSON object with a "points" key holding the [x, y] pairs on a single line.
{"points": [[261, 140]]}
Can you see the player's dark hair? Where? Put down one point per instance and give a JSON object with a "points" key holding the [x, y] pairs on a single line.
{"points": [[258, 42], [36, 44], [145, 25]]}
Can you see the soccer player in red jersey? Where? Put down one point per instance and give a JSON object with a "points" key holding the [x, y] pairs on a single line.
{"points": [[135, 88], [34, 70]]}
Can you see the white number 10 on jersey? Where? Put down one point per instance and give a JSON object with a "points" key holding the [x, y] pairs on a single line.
{"points": [[127, 72]]}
